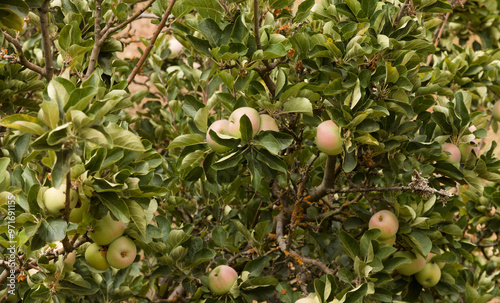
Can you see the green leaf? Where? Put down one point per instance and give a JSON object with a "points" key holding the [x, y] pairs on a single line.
{"points": [[246, 129], [268, 141], [200, 44], [243, 230], [207, 8], [52, 230], [292, 91], [211, 30], [228, 161], [116, 205], [298, 105], [61, 167], [49, 113], [422, 241], [186, 140], [181, 8], [137, 215], [350, 245], [94, 136], [256, 266], [175, 238], [219, 236], [23, 123], [124, 138]]}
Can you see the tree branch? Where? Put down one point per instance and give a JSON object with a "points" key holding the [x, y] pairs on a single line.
{"points": [[438, 36], [328, 180], [137, 15], [46, 43], [402, 12], [163, 21], [97, 41], [22, 58]]}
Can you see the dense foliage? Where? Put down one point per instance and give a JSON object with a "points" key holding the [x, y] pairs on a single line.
{"points": [[400, 80]]}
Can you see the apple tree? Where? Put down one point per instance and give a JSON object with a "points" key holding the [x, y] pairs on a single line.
{"points": [[337, 151]]}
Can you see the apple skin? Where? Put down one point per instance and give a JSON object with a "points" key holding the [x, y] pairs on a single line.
{"points": [[107, 230], [54, 200], [328, 138], [220, 127], [96, 257], [221, 279], [455, 156], [234, 121], [387, 222], [268, 123], [76, 213], [121, 253], [417, 263], [429, 276], [496, 111], [70, 258], [175, 47], [305, 300], [429, 258]]}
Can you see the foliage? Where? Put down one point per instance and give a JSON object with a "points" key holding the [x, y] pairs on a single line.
{"points": [[399, 79]]}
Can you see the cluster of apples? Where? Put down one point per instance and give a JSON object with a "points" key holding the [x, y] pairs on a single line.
{"points": [[231, 127], [427, 273], [54, 200], [110, 247]]}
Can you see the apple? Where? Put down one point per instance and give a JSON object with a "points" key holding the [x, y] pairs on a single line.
{"points": [[54, 201], [175, 47], [76, 213], [429, 258], [417, 263], [305, 300], [221, 128], [466, 148], [328, 138], [121, 253], [454, 156], [106, 230], [389, 241], [268, 123], [221, 279], [496, 111], [96, 257], [387, 222], [234, 121], [70, 258], [429, 276]]}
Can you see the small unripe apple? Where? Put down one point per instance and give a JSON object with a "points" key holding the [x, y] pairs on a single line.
{"points": [[106, 230], [76, 213], [453, 152], [387, 222], [54, 201], [221, 279], [221, 128], [96, 257], [496, 111], [121, 253], [429, 276], [417, 262], [234, 121], [268, 123], [328, 138], [175, 47]]}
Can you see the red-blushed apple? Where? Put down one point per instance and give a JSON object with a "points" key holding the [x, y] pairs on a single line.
{"points": [[221, 128], [417, 262], [121, 253], [496, 111], [268, 123], [305, 300], [221, 279], [106, 230], [329, 139], [387, 222], [429, 276], [234, 121], [453, 152], [96, 257]]}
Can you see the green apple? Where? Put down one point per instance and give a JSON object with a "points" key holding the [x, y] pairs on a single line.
{"points": [[417, 262], [107, 230], [234, 121], [221, 279], [121, 253], [221, 128], [387, 222], [96, 257], [54, 201], [453, 152], [268, 123], [76, 213], [429, 276], [329, 139], [429, 259], [496, 111]]}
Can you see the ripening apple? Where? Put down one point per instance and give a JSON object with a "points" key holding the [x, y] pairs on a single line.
{"points": [[268, 123], [106, 230], [305, 300], [496, 111], [121, 253], [221, 128], [453, 152], [234, 121], [96, 257], [328, 138], [429, 276], [387, 222], [417, 263], [221, 279]]}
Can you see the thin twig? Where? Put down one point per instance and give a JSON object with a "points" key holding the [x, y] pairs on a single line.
{"points": [[438, 37], [46, 42], [22, 58], [402, 11], [148, 49]]}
